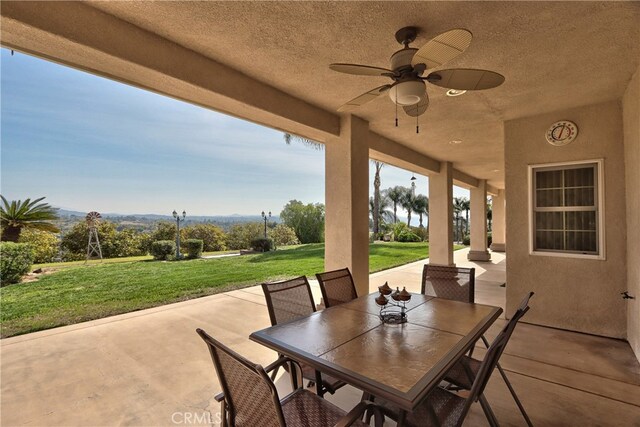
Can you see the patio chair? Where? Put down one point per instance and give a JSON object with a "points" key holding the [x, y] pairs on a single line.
{"points": [[337, 287], [250, 398], [442, 407], [454, 283], [463, 372], [289, 300]]}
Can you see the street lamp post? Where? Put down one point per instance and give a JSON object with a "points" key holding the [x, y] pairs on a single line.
{"points": [[265, 217], [178, 221]]}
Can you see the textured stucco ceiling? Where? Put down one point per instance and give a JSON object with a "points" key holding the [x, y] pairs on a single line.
{"points": [[554, 55]]}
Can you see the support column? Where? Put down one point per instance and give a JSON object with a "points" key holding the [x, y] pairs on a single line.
{"points": [[347, 201], [498, 242], [478, 224], [441, 216]]}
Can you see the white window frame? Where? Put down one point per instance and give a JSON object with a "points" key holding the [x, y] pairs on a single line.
{"points": [[601, 255]]}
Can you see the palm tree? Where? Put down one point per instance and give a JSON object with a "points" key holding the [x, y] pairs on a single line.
{"points": [[395, 195], [384, 213], [407, 201], [17, 215], [458, 208], [466, 204], [489, 215], [421, 206], [376, 198], [288, 138]]}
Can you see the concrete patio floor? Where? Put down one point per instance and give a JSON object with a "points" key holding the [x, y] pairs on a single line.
{"points": [[150, 368]]}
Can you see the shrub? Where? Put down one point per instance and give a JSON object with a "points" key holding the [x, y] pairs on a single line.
{"points": [[398, 228], [44, 244], [163, 249], [466, 240], [284, 235], [241, 235], [261, 244], [422, 232], [408, 236], [193, 248], [15, 262]]}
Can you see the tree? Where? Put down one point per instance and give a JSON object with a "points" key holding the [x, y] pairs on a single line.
{"points": [[283, 235], [376, 198], [74, 242], [212, 236], [240, 236], [407, 202], [458, 207], [288, 138], [466, 206], [114, 243], [17, 215], [421, 206], [306, 220], [489, 215], [395, 195], [44, 244], [165, 230], [384, 213]]}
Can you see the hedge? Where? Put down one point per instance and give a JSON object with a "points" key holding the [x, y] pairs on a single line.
{"points": [[193, 248], [15, 261], [163, 249]]}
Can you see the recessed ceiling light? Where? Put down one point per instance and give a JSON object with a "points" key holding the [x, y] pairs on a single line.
{"points": [[455, 92], [455, 142], [496, 170]]}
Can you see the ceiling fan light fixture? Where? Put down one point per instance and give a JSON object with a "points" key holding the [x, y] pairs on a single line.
{"points": [[455, 92], [409, 92]]}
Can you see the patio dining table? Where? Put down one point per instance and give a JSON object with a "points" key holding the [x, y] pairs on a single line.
{"points": [[400, 363]]}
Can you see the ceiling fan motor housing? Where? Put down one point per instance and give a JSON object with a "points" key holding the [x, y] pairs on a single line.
{"points": [[402, 58]]}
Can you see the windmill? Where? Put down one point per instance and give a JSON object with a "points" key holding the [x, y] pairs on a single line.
{"points": [[93, 247]]}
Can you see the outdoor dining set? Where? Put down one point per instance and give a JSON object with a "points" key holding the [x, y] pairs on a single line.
{"points": [[410, 354]]}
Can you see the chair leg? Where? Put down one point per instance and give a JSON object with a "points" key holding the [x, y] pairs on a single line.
{"points": [[223, 411], [293, 374], [510, 387], [488, 412], [319, 387], [515, 397]]}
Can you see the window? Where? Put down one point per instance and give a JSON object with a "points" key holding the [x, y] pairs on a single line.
{"points": [[567, 209]]}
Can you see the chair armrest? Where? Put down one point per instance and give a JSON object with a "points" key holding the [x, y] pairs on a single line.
{"points": [[279, 362], [358, 411], [219, 397]]}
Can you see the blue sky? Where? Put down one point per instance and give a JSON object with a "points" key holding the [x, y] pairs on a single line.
{"points": [[88, 143]]}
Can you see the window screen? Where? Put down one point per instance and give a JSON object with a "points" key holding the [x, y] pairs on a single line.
{"points": [[565, 209]]}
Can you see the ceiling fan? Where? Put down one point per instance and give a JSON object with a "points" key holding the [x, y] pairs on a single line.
{"points": [[408, 89]]}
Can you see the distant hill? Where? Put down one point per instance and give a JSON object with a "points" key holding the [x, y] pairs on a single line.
{"points": [[147, 221]]}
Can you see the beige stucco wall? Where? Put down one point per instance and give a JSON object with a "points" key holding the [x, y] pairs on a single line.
{"points": [[576, 294], [631, 118]]}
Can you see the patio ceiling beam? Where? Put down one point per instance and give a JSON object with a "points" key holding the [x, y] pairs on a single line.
{"points": [[390, 152], [83, 37]]}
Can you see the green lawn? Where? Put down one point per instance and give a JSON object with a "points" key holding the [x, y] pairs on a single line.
{"points": [[80, 293]]}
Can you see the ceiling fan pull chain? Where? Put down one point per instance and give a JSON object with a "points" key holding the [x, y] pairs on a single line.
{"points": [[396, 108], [417, 124]]}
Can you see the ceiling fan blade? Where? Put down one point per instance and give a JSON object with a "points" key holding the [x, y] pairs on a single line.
{"points": [[363, 99], [443, 48], [418, 109], [360, 70], [465, 79]]}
